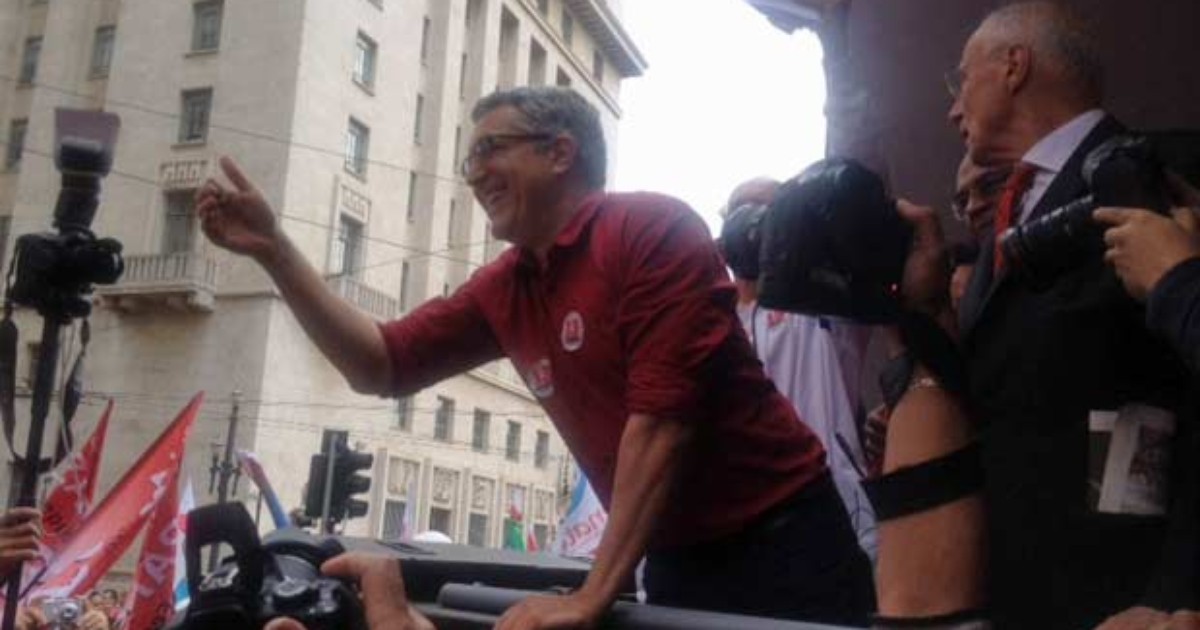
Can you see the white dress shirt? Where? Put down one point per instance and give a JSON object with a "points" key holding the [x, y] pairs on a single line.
{"points": [[1051, 153]]}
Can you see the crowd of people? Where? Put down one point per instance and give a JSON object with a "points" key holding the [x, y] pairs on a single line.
{"points": [[1054, 489]]}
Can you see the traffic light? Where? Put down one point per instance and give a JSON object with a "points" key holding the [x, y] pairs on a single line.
{"points": [[314, 495], [347, 483]]}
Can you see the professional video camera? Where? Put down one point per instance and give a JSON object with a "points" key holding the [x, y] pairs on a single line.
{"points": [[834, 244], [1123, 172], [263, 580], [55, 271]]}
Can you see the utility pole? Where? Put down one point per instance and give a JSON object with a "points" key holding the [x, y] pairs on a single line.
{"points": [[226, 469]]}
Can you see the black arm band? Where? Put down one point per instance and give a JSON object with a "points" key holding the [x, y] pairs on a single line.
{"points": [[926, 485]]}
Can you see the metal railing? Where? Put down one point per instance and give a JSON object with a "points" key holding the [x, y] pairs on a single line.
{"points": [[368, 299], [169, 270]]}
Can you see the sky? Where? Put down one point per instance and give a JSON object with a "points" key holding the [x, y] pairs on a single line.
{"points": [[727, 97]]}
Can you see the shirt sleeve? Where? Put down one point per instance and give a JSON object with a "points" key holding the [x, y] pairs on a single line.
{"points": [[441, 338], [676, 310], [1173, 310]]}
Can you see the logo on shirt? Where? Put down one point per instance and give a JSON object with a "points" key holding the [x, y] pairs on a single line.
{"points": [[572, 332], [774, 318], [540, 379]]}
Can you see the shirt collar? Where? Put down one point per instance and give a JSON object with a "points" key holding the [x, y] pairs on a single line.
{"points": [[572, 231], [1052, 152]]}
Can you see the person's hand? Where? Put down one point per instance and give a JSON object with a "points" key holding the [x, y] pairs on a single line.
{"points": [[93, 620], [382, 588], [20, 532], [925, 286], [1136, 618], [237, 219], [30, 618], [542, 612], [1180, 620], [1143, 246]]}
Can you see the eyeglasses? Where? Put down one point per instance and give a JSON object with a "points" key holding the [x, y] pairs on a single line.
{"points": [[487, 146], [986, 187], [954, 81]]}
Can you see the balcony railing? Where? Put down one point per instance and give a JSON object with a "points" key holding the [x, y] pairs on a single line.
{"points": [[185, 281], [371, 301]]}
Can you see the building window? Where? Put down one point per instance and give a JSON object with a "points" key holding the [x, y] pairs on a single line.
{"points": [[102, 50], [561, 79], [393, 519], [568, 27], [348, 247], [541, 453], [544, 7], [411, 211], [537, 64], [179, 225], [206, 25], [418, 117], [512, 442], [480, 430], [16, 142], [462, 78], [193, 124], [366, 51], [443, 422], [29, 61], [440, 520], [404, 280], [358, 139], [541, 534], [450, 223], [425, 27], [477, 527], [598, 65], [404, 406]]}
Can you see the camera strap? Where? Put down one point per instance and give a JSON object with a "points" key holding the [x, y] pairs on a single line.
{"points": [[72, 395], [8, 378]]}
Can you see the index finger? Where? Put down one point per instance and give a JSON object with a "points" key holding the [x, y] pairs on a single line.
{"points": [[1114, 216], [20, 515], [379, 577], [235, 174]]}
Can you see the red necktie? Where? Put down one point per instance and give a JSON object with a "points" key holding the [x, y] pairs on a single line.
{"points": [[1015, 187]]}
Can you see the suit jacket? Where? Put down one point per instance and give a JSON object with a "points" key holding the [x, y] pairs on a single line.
{"points": [[1039, 362]]}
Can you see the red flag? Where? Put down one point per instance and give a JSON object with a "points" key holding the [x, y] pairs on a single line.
{"points": [[71, 499], [113, 525], [151, 602]]}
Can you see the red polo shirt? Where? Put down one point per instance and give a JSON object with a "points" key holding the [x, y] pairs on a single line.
{"points": [[633, 313]]}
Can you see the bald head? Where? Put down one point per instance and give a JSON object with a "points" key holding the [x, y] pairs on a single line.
{"points": [[760, 190], [1060, 39]]}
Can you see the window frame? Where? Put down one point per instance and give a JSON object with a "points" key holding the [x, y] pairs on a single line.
{"points": [[207, 12], [187, 114]]}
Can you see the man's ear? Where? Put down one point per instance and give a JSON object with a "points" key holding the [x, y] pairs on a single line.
{"points": [[1018, 62], [563, 152]]}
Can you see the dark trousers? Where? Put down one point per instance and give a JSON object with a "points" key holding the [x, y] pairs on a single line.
{"points": [[799, 561]]}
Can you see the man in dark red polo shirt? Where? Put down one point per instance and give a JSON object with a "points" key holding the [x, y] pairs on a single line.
{"points": [[618, 312]]}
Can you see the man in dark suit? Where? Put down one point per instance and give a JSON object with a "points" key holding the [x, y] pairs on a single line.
{"points": [[1061, 377]]}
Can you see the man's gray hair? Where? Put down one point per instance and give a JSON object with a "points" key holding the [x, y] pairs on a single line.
{"points": [[1056, 33], [554, 110]]}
